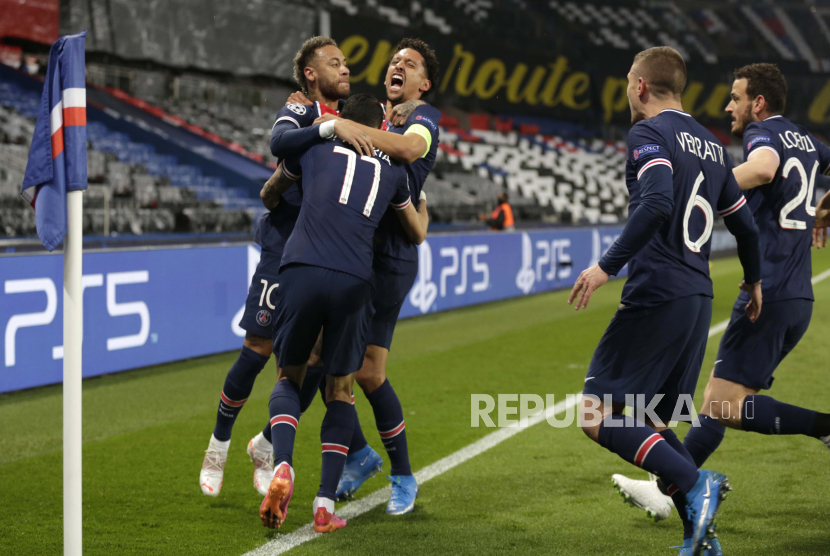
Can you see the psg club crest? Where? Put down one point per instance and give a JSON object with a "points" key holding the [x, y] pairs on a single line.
{"points": [[263, 318], [298, 109]]}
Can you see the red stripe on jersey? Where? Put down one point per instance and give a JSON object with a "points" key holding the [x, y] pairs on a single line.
{"points": [[741, 202], [655, 162], [394, 432]]}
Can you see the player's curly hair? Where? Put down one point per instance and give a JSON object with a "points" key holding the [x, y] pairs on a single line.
{"points": [[765, 80], [433, 68], [304, 56]]}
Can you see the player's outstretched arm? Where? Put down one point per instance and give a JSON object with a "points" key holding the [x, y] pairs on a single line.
{"points": [[415, 222], [288, 140], [760, 169], [822, 217], [405, 148], [272, 190]]}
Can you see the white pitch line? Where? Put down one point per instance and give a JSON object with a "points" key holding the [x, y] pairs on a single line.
{"points": [[358, 507], [721, 326]]}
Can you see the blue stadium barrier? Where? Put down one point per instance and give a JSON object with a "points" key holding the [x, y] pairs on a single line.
{"points": [[149, 306]]}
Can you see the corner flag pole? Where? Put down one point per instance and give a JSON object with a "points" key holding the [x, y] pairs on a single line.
{"points": [[73, 321], [53, 185]]}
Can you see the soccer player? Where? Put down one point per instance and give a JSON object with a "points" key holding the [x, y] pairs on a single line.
{"points": [[326, 282], [411, 75], [320, 69], [782, 163], [655, 343]]}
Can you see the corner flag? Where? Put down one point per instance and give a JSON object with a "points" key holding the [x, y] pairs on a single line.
{"points": [[57, 158]]}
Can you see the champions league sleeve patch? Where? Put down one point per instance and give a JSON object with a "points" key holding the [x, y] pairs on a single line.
{"points": [[759, 139], [645, 150], [424, 119], [298, 109]]}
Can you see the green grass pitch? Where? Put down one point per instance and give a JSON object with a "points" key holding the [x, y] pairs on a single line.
{"points": [[543, 491]]}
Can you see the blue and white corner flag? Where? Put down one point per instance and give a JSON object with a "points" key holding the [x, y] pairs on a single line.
{"points": [[57, 158]]}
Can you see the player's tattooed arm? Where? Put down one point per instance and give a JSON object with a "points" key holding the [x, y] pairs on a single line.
{"points": [[272, 190], [401, 112]]}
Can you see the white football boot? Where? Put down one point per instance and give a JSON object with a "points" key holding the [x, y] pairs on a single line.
{"points": [[826, 440], [261, 453], [213, 467], [645, 495]]}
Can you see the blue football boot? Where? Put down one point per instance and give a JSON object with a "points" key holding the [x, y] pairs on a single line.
{"points": [[404, 493], [360, 467], [686, 549], [703, 503]]}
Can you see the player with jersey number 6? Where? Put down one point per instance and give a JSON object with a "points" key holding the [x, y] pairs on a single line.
{"points": [[678, 174], [782, 164]]}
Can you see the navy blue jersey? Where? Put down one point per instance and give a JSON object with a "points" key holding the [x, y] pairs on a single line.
{"points": [[675, 262], [784, 209], [303, 115], [344, 197], [391, 240], [275, 227]]}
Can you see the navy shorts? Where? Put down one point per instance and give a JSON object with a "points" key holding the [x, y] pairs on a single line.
{"points": [[650, 351], [750, 352], [260, 307], [313, 298], [393, 281]]}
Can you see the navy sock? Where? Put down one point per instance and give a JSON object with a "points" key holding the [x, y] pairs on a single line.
{"points": [[644, 447], [235, 392], [677, 495], [704, 438], [335, 436], [358, 440], [315, 378], [284, 408], [390, 423], [767, 415]]}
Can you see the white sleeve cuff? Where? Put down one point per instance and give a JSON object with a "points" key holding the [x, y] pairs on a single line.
{"points": [[327, 129]]}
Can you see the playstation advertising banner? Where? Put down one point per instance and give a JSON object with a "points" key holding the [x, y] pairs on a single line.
{"points": [[145, 307]]}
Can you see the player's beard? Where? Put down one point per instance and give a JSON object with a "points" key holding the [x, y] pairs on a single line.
{"points": [[742, 122], [331, 91]]}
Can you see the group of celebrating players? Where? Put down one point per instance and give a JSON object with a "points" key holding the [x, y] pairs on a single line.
{"points": [[339, 257]]}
